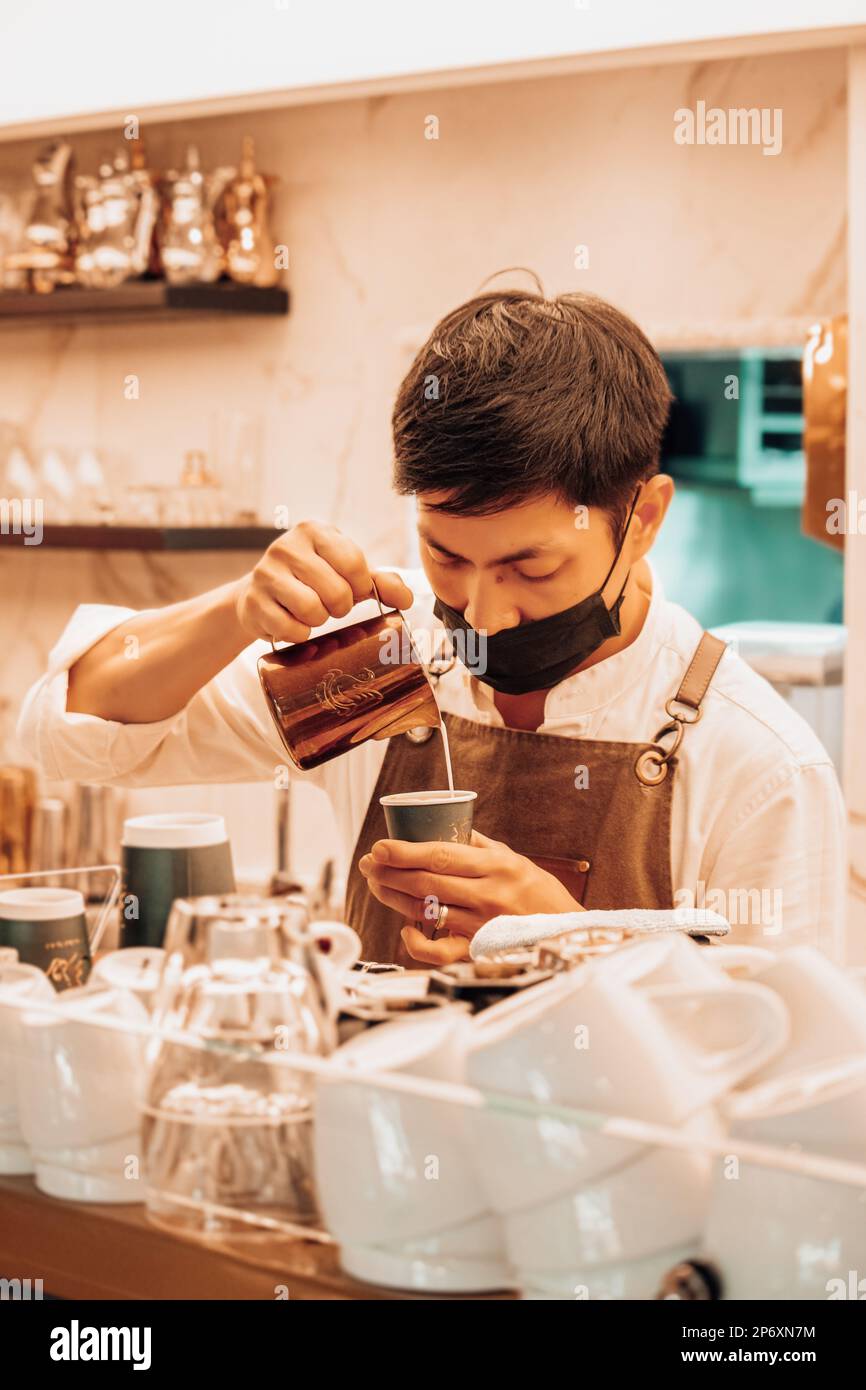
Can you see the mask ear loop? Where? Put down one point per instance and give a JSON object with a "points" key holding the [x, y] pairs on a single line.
{"points": [[614, 608]]}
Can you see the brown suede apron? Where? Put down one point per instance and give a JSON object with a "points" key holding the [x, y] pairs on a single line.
{"points": [[596, 814]]}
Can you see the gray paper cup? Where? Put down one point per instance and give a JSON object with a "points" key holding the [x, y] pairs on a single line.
{"points": [[48, 928], [176, 855], [432, 815]]}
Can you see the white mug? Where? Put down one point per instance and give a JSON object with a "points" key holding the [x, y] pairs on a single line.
{"points": [[774, 1234], [820, 1109], [20, 986], [590, 1040], [466, 1258], [632, 1213], [676, 959], [826, 1006], [79, 1088], [394, 1168]]}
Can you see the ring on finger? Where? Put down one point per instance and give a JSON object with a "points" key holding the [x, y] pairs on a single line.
{"points": [[441, 919]]}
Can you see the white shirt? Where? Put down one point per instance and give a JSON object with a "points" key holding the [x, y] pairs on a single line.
{"points": [[758, 820]]}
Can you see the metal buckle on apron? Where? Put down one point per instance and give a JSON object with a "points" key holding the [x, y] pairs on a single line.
{"points": [[651, 767]]}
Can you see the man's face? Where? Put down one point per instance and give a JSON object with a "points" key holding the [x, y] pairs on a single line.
{"points": [[518, 565]]}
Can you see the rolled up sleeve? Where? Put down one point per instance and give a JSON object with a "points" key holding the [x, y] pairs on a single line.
{"points": [[225, 733]]}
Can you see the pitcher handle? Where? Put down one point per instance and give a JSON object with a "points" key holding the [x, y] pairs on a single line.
{"points": [[761, 1012]]}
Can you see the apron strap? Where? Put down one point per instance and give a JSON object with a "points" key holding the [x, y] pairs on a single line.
{"points": [[651, 767], [702, 668]]}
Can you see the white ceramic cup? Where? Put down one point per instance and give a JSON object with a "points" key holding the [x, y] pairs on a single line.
{"points": [[20, 986], [676, 959], [652, 1203], [394, 1168], [79, 1089], [826, 1006], [590, 1040], [466, 1258], [773, 1234], [820, 1109], [136, 968]]}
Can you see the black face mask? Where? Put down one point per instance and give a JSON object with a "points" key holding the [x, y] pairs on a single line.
{"points": [[536, 656]]}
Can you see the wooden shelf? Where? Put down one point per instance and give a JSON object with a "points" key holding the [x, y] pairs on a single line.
{"points": [[145, 299], [87, 1250], [165, 538]]}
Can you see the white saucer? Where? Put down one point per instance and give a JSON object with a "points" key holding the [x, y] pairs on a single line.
{"points": [[627, 1280]]}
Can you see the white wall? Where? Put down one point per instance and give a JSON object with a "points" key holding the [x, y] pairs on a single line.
{"points": [[60, 60], [387, 231]]}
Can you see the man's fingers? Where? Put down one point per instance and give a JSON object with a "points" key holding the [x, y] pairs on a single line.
{"points": [[417, 910], [345, 557], [445, 951], [392, 590], [421, 885], [438, 856], [272, 620], [333, 589], [299, 599]]}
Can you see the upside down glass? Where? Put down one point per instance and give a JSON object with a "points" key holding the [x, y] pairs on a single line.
{"points": [[227, 1130]]}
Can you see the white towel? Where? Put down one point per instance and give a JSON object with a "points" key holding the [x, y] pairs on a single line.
{"points": [[519, 933]]}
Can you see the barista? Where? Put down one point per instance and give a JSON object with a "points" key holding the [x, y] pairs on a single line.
{"points": [[621, 757]]}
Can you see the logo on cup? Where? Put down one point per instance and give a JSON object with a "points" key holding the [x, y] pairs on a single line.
{"points": [[67, 972]]}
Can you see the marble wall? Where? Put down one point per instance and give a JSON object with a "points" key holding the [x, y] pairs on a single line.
{"points": [[386, 231]]}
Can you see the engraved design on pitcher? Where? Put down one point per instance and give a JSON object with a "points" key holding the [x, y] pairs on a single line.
{"points": [[344, 693]]}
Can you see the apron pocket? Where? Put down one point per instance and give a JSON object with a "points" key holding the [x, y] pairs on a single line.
{"points": [[572, 873]]}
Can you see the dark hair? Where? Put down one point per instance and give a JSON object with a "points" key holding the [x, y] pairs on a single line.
{"points": [[515, 396]]}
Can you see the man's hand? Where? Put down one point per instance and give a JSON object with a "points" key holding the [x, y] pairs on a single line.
{"points": [[310, 574], [476, 881]]}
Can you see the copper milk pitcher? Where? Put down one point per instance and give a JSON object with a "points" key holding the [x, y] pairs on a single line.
{"points": [[334, 691]]}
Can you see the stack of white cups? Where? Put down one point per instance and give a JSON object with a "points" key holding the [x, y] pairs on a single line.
{"points": [[654, 1032], [785, 1234], [394, 1170], [71, 1070]]}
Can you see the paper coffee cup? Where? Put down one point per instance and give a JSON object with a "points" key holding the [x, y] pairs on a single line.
{"points": [[48, 929], [430, 815], [168, 856]]}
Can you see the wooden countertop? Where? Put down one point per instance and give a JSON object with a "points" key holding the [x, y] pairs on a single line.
{"points": [[89, 1250]]}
